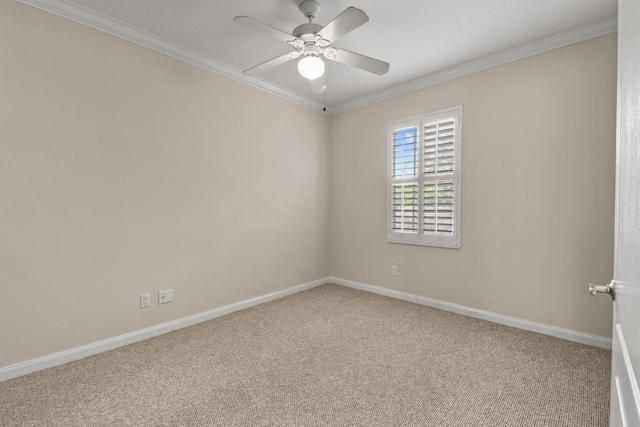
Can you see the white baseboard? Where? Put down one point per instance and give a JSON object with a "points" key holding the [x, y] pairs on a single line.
{"points": [[56, 359], [567, 334]]}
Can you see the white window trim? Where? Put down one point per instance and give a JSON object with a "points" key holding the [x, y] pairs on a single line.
{"points": [[452, 241]]}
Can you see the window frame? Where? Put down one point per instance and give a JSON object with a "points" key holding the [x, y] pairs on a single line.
{"points": [[442, 240]]}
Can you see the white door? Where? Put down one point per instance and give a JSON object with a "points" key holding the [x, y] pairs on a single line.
{"points": [[625, 397]]}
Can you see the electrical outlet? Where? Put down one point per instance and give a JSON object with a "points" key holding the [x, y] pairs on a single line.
{"points": [[394, 270], [145, 300], [165, 296]]}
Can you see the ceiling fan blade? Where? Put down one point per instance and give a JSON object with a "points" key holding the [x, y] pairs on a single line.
{"points": [[319, 85], [270, 64], [261, 26], [360, 61], [344, 23]]}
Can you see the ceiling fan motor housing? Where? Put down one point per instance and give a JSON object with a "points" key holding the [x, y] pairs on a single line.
{"points": [[306, 32]]}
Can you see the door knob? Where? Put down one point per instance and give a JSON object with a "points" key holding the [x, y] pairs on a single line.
{"points": [[605, 289]]}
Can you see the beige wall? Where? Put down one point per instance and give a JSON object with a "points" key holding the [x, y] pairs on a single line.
{"points": [[537, 190], [123, 171]]}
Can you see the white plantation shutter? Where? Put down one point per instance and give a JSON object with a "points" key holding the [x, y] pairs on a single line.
{"points": [[405, 208], [439, 149], [405, 152], [404, 191], [424, 180], [405, 168], [439, 163], [438, 213]]}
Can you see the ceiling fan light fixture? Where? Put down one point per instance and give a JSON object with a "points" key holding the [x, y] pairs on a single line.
{"points": [[311, 67]]}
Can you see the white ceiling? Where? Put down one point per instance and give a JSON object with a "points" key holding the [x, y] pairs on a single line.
{"points": [[425, 41]]}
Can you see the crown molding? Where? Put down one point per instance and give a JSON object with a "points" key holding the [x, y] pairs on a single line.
{"points": [[545, 44], [114, 27], [143, 38]]}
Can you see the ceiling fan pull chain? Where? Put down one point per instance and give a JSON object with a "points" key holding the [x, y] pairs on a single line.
{"points": [[324, 100]]}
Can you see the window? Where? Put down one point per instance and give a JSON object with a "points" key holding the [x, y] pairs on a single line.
{"points": [[424, 180]]}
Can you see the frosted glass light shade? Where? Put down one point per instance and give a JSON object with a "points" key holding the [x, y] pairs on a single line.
{"points": [[311, 67]]}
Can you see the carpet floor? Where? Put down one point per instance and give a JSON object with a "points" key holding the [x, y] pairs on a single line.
{"points": [[329, 356]]}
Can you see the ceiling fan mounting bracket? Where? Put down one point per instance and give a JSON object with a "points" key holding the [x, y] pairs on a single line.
{"points": [[320, 42], [310, 9], [329, 53]]}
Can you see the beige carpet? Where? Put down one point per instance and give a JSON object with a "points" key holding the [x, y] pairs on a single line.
{"points": [[330, 356]]}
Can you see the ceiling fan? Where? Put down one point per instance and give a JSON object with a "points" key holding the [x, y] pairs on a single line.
{"points": [[311, 41]]}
